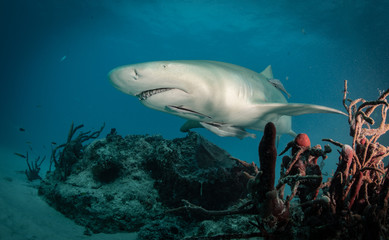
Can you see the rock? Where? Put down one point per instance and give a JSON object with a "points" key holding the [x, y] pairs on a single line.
{"points": [[126, 184], [181, 172]]}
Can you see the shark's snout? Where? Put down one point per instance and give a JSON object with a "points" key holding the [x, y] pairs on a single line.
{"points": [[124, 78], [115, 80]]}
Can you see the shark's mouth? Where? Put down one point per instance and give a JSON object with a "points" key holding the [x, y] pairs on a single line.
{"points": [[146, 94]]}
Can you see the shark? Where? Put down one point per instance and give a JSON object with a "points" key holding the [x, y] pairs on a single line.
{"points": [[224, 98]]}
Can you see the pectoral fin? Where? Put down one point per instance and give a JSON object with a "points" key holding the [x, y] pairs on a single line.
{"points": [[189, 125], [293, 109], [226, 130]]}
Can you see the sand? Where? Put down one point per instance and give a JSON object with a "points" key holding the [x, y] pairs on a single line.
{"points": [[25, 216]]}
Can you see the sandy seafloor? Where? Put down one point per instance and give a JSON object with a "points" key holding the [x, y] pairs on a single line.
{"points": [[26, 216]]}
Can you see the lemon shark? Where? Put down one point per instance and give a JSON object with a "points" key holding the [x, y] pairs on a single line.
{"points": [[224, 98]]}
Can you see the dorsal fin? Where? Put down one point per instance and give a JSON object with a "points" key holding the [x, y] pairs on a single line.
{"points": [[268, 72]]}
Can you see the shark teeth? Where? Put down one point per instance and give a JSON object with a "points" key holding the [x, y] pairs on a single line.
{"points": [[146, 94]]}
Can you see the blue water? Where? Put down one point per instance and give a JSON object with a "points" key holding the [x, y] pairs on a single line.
{"points": [[55, 56]]}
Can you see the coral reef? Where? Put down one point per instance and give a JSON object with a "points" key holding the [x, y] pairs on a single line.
{"points": [[360, 177], [353, 204], [189, 188], [129, 183]]}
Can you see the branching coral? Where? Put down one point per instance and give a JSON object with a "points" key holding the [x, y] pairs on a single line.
{"points": [[301, 171], [353, 204], [71, 150], [34, 167], [361, 172]]}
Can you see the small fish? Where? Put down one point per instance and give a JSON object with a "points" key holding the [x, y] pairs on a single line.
{"points": [[63, 58], [277, 83], [22, 129], [20, 155], [53, 143], [29, 142], [8, 179]]}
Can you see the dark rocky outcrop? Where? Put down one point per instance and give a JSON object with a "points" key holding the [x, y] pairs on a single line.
{"points": [[126, 184]]}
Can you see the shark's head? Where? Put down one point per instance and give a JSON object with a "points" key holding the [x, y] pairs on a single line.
{"points": [[159, 85]]}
